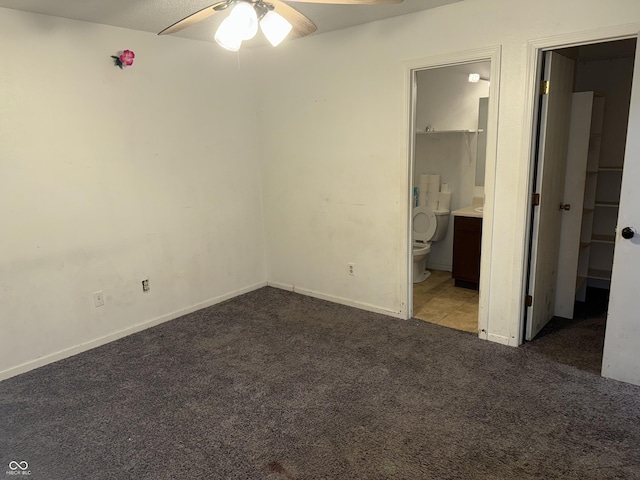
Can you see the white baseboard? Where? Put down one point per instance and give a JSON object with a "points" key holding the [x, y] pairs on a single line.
{"points": [[83, 347], [444, 267], [501, 339], [342, 301]]}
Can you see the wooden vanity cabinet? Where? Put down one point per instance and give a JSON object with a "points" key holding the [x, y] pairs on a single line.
{"points": [[467, 239]]}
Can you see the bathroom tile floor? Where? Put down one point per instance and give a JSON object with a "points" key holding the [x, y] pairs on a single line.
{"points": [[437, 300]]}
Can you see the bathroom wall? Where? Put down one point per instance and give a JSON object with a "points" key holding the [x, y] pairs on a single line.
{"points": [[446, 100]]}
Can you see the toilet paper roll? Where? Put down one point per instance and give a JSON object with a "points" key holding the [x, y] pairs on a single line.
{"points": [[444, 201], [422, 197], [444, 188], [434, 179], [432, 200], [434, 183], [424, 178]]}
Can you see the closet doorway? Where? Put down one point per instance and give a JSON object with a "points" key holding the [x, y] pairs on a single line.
{"points": [[568, 323]]}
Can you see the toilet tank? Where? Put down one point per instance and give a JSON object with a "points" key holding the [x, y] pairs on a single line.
{"points": [[442, 218]]}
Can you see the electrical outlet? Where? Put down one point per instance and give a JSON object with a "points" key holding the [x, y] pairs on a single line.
{"points": [[98, 298], [145, 285], [352, 268]]}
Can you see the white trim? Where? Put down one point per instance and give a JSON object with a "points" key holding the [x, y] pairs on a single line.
{"points": [[587, 37], [453, 58], [406, 260], [97, 342], [493, 55], [534, 50], [486, 253], [342, 301], [501, 339], [444, 267]]}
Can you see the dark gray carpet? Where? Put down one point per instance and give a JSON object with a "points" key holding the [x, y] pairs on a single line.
{"points": [[275, 385], [578, 341]]}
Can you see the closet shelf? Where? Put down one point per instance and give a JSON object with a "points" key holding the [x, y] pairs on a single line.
{"points": [[603, 238], [598, 274], [438, 132], [608, 204], [610, 169], [583, 158]]}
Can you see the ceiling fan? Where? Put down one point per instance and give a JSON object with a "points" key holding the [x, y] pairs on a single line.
{"points": [[276, 19]]}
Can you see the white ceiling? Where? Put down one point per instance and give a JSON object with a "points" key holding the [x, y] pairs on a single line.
{"points": [[154, 15]]}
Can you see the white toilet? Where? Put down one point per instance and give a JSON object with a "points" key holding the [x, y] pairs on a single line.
{"points": [[428, 226]]}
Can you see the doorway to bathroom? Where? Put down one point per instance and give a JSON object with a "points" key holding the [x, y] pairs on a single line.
{"points": [[453, 118]]}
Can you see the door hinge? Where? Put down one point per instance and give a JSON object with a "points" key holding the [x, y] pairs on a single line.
{"points": [[528, 301], [535, 200], [544, 87]]}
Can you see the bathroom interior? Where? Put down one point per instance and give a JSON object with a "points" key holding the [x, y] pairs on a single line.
{"points": [[448, 192]]}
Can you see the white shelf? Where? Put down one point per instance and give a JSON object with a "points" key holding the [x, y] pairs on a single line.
{"points": [[596, 201], [603, 238], [438, 132], [599, 274]]}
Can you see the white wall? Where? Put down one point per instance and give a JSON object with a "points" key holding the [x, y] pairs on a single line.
{"points": [[334, 143], [110, 176], [447, 101]]}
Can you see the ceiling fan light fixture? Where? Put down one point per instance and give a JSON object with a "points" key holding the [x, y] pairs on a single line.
{"points": [[275, 27], [245, 19], [227, 35]]}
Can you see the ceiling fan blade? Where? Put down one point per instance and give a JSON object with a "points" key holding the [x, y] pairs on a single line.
{"points": [[194, 18], [350, 2], [301, 25]]}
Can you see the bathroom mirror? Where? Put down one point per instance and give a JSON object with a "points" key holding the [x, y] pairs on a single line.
{"points": [[481, 149]]}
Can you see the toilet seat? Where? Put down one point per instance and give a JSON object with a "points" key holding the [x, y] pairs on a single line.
{"points": [[424, 224], [420, 248]]}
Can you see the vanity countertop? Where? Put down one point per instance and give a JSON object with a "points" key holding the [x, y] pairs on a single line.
{"points": [[470, 211]]}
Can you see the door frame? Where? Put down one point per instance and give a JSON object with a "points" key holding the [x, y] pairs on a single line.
{"points": [[411, 67], [535, 51]]}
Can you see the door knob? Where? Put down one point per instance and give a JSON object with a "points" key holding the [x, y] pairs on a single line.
{"points": [[628, 232]]}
